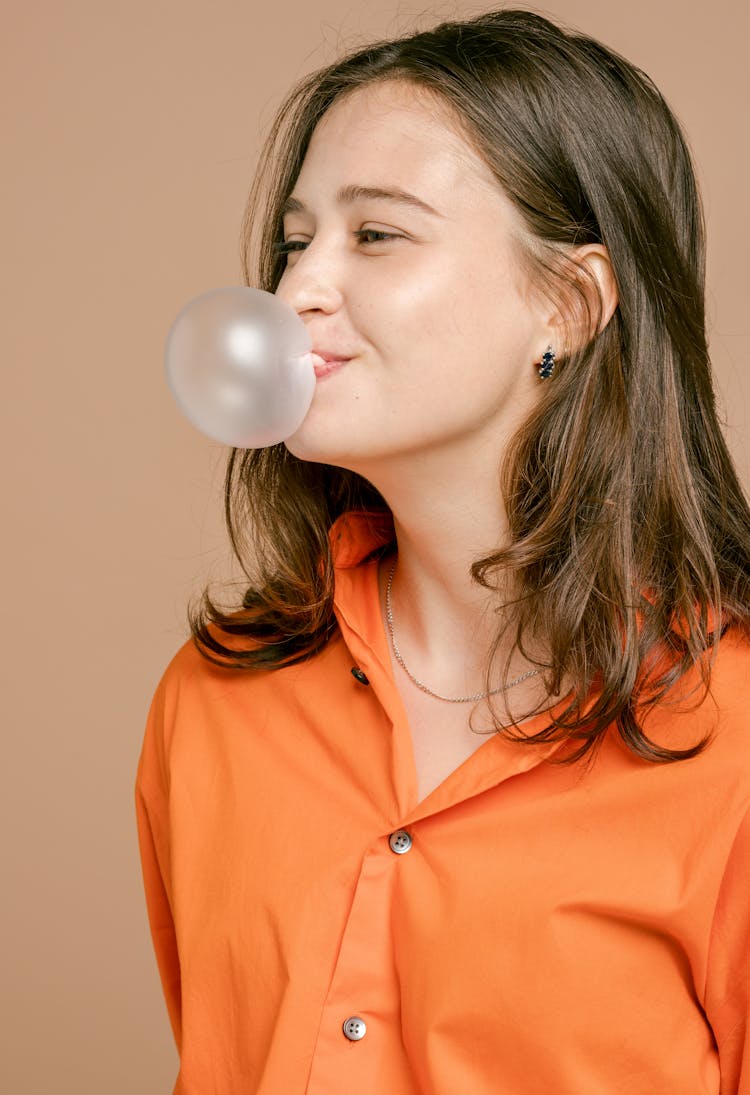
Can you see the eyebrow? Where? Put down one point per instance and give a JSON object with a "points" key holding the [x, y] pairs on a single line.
{"points": [[354, 192]]}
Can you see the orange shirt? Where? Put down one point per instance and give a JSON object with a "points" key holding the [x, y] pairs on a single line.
{"points": [[526, 928]]}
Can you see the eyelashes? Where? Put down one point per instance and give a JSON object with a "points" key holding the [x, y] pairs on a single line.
{"points": [[283, 247]]}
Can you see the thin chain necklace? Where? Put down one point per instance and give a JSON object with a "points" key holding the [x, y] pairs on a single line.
{"points": [[402, 663]]}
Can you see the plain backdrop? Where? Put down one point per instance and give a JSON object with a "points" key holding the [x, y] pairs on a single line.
{"points": [[130, 137]]}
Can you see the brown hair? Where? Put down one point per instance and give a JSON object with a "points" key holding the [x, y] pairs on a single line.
{"points": [[629, 530]]}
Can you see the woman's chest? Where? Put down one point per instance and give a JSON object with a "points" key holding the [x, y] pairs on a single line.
{"points": [[441, 739]]}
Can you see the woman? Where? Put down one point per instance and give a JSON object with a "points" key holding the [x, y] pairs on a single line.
{"points": [[457, 799]]}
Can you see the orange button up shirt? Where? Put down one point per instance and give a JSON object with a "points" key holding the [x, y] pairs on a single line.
{"points": [[525, 928]]}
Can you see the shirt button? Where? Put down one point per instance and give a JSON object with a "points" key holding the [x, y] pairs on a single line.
{"points": [[355, 1028], [400, 841]]}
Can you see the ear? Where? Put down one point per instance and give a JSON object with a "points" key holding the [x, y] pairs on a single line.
{"points": [[591, 271]]}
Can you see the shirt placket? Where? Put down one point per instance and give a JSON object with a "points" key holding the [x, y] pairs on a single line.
{"points": [[359, 1047]]}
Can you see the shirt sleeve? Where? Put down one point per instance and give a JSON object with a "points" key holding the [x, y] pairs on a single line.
{"points": [[728, 981], [152, 818]]}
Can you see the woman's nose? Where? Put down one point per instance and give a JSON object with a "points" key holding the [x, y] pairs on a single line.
{"points": [[312, 281]]}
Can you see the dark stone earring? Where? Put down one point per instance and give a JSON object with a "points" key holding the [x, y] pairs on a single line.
{"points": [[547, 364]]}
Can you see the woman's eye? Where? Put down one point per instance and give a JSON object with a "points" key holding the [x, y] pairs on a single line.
{"points": [[375, 232], [284, 247]]}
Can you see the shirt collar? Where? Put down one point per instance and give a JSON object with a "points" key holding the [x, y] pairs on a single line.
{"points": [[354, 536], [357, 533]]}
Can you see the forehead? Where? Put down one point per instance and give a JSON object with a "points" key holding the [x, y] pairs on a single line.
{"points": [[396, 134]]}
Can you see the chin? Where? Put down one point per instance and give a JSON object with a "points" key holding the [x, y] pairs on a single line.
{"points": [[305, 448], [349, 458]]}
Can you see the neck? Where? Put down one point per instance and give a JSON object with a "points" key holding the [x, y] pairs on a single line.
{"points": [[445, 622]]}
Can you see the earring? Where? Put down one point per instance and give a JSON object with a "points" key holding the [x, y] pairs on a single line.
{"points": [[547, 364]]}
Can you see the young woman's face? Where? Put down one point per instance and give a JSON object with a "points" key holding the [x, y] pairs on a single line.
{"points": [[438, 324]]}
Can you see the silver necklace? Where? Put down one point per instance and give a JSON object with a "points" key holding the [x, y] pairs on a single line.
{"points": [[402, 663]]}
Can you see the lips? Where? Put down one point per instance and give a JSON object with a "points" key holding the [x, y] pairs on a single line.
{"points": [[324, 364]]}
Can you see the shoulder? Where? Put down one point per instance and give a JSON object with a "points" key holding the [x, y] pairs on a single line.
{"points": [[186, 670], [186, 664], [206, 719], [729, 690], [729, 696], [732, 666], [194, 692], [720, 715]]}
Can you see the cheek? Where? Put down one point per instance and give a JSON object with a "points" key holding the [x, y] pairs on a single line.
{"points": [[446, 324], [424, 306]]}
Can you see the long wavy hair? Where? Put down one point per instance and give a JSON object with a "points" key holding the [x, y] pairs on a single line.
{"points": [[629, 531]]}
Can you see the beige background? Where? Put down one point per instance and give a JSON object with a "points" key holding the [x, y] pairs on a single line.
{"points": [[130, 136]]}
